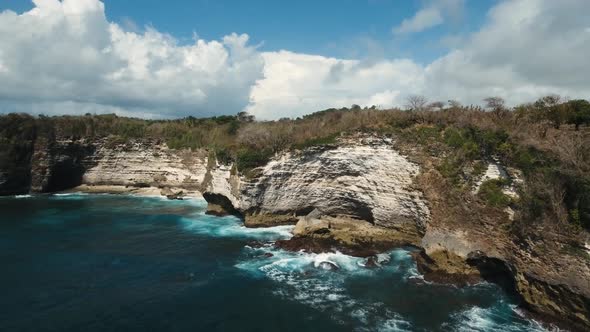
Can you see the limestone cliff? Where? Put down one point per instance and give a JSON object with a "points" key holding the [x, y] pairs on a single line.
{"points": [[54, 164], [361, 178], [362, 195], [58, 164], [144, 163], [15, 165]]}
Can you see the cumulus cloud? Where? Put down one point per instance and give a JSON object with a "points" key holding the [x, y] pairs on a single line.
{"points": [[424, 19], [526, 49], [66, 53], [431, 15], [66, 57], [297, 84]]}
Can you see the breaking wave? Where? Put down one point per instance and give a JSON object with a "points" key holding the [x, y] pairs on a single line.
{"points": [[231, 227], [502, 317], [320, 281]]}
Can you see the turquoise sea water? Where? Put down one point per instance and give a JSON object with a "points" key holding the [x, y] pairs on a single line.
{"points": [[122, 263]]}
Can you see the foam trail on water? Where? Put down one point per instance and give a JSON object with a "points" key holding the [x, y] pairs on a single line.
{"points": [[70, 196], [495, 319], [232, 227], [319, 280]]}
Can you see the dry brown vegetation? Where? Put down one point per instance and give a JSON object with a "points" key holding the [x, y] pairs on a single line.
{"points": [[548, 140]]}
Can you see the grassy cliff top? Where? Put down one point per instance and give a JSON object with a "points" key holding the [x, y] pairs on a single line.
{"points": [[549, 141]]}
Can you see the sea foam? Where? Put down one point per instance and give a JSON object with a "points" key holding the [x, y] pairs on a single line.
{"points": [[233, 228], [303, 277], [501, 317]]}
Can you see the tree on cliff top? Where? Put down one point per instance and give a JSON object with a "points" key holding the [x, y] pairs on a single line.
{"points": [[416, 103]]}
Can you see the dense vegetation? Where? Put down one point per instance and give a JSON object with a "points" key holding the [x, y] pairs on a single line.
{"points": [[547, 140]]}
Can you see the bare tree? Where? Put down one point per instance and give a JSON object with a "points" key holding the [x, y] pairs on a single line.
{"points": [[496, 105], [416, 103], [254, 136], [280, 136], [437, 104], [454, 103]]}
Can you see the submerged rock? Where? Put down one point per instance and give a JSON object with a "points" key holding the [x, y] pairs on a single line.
{"points": [[372, 262], [446, 268], [328, 266], [173, 195], [256, 244]]}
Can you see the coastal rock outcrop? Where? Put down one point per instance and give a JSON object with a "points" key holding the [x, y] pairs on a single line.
{"points": [[15, 164], [49, 164], [362, 196], [148, 163], [58, 164], [360, 178], [548, 275]]}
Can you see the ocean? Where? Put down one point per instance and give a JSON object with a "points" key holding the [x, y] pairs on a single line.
{"points": [[77, 262]]}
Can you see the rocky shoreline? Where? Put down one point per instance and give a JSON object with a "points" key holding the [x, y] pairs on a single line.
{"points": [[170, 193], [364, 195]]}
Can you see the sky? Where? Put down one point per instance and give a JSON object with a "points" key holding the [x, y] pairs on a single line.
{"points": [[274, 59]]}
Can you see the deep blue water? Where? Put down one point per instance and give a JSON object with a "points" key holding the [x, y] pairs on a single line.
{"points": [[123, 263]]}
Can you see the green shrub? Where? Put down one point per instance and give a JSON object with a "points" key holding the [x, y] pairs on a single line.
{"points": [[491, 192], [577, 198], [454, 138], [471, 150], [233, 127], [452, 168], [426, 134], [248, 159], [319, 141], [223, 156], [579, 112], [476, 142], [479, 168], [490, 141]]}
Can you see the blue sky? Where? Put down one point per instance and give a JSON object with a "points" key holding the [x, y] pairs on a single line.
{"points": [[336, 28], [285, 58]]}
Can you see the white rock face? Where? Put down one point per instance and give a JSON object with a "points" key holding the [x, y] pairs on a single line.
{"points": [[145, 163], [364, 179], [496, 171], [224, 183]]}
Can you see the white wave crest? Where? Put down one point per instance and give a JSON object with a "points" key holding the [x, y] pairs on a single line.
{"points": [[499, 318], [303, 277], [233, 227]]}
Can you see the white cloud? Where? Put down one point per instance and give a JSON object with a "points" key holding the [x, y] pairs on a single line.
{"points": [[66, 52], [527, 48], [297, 84], [65, 57], [424, 19], [431, 15]]}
